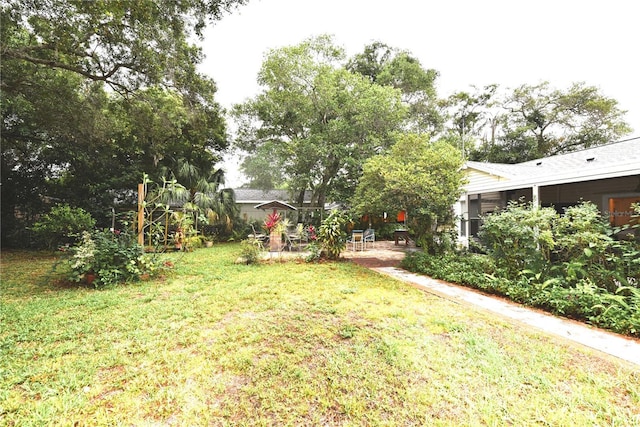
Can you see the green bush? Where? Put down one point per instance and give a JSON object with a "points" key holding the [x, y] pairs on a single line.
{"points": [[582, 299], [576, 301], [581, 229], [109, 258], [250, 250], [474, 270], [619, 311], [519, 237], [577, 245], [63, 225], [315, 252], [584, 247], [194, 242], [331, 234]]}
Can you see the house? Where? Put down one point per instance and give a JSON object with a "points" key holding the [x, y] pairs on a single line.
{"points": [[607, 175], [248, 198]]}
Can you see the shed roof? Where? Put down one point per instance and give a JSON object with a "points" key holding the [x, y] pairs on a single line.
{"points": [[276, 204]]}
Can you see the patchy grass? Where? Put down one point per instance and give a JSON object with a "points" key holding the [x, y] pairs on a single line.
{"points": [[291, 343]]}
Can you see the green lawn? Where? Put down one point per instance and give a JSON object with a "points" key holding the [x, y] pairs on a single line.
{"points": [[216, 343]]}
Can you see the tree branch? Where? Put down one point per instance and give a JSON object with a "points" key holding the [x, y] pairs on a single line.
{"points": [[105, 77]]}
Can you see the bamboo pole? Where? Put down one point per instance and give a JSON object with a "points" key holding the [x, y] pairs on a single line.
{"points": [[166, 228], [141, 214]]}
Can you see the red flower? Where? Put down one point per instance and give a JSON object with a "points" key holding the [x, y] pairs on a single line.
{"points": [[312, 233], [272, 220]]}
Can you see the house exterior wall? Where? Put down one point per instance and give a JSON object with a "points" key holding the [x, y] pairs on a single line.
{"points": [[602, 193], [607, 175], [248, 198], [304, 214], [479, 180], [249, 213]]}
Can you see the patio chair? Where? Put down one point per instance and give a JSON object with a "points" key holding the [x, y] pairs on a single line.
{"points": [[296, 236], [289, 242], [369, 236], [263, 238], [357, 239]]}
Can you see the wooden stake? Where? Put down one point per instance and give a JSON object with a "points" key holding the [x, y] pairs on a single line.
{"points": [[141, 214]]}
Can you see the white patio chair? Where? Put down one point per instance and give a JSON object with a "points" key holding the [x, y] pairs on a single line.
{"points": [[369, 236], [357, 240]]}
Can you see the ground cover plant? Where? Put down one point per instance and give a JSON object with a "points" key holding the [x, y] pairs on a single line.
{"points": [[283, 343], [575, 265]]}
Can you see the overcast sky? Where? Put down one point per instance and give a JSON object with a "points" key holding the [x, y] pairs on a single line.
{"points": [[469, 42]]}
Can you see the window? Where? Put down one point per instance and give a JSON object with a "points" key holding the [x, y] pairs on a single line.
{"points": [[620, 210]]}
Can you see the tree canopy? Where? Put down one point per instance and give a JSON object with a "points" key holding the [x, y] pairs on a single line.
{"points": [[94, 94], [316, 122], [126, 45], [423, 178], [388, 66], [534, 121]]}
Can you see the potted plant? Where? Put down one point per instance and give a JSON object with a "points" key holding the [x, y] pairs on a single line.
{"points": [[272, 225], [179, 238], [207, 239]]}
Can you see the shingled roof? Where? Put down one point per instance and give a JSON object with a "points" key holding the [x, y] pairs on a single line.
{"points": [[604, 161], [256, 196]]}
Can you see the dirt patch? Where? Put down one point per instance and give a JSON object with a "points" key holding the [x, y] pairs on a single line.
{"points": [[377, 262], [381, 254]]}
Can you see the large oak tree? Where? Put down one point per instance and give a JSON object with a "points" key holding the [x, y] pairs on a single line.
{"points": [[96, 93], [398, 68], [315, 123], [124, 44]]}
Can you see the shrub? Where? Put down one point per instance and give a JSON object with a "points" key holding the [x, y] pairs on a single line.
{"points": [[573, 301], [315, 252], [619, 311], [626, 250], [519, 237], [194, 242], [113, 257], [331, 234], [63, 225], [468, 269], [584, 246], [581, 229], [250, 250], [581, 270], [577, 245]]}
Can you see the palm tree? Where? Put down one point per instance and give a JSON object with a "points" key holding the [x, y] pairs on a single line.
{"points": [[205, 195]]}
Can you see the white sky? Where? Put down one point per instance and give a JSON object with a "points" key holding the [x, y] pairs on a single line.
{"points": [[469, 42]]}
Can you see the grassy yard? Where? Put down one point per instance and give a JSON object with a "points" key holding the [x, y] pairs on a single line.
{"points": [[216, 343]]}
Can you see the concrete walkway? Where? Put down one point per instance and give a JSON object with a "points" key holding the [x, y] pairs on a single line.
{"points": [[606, 342]]}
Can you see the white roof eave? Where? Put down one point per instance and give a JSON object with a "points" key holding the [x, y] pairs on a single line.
{"points": [[556, 179]]}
